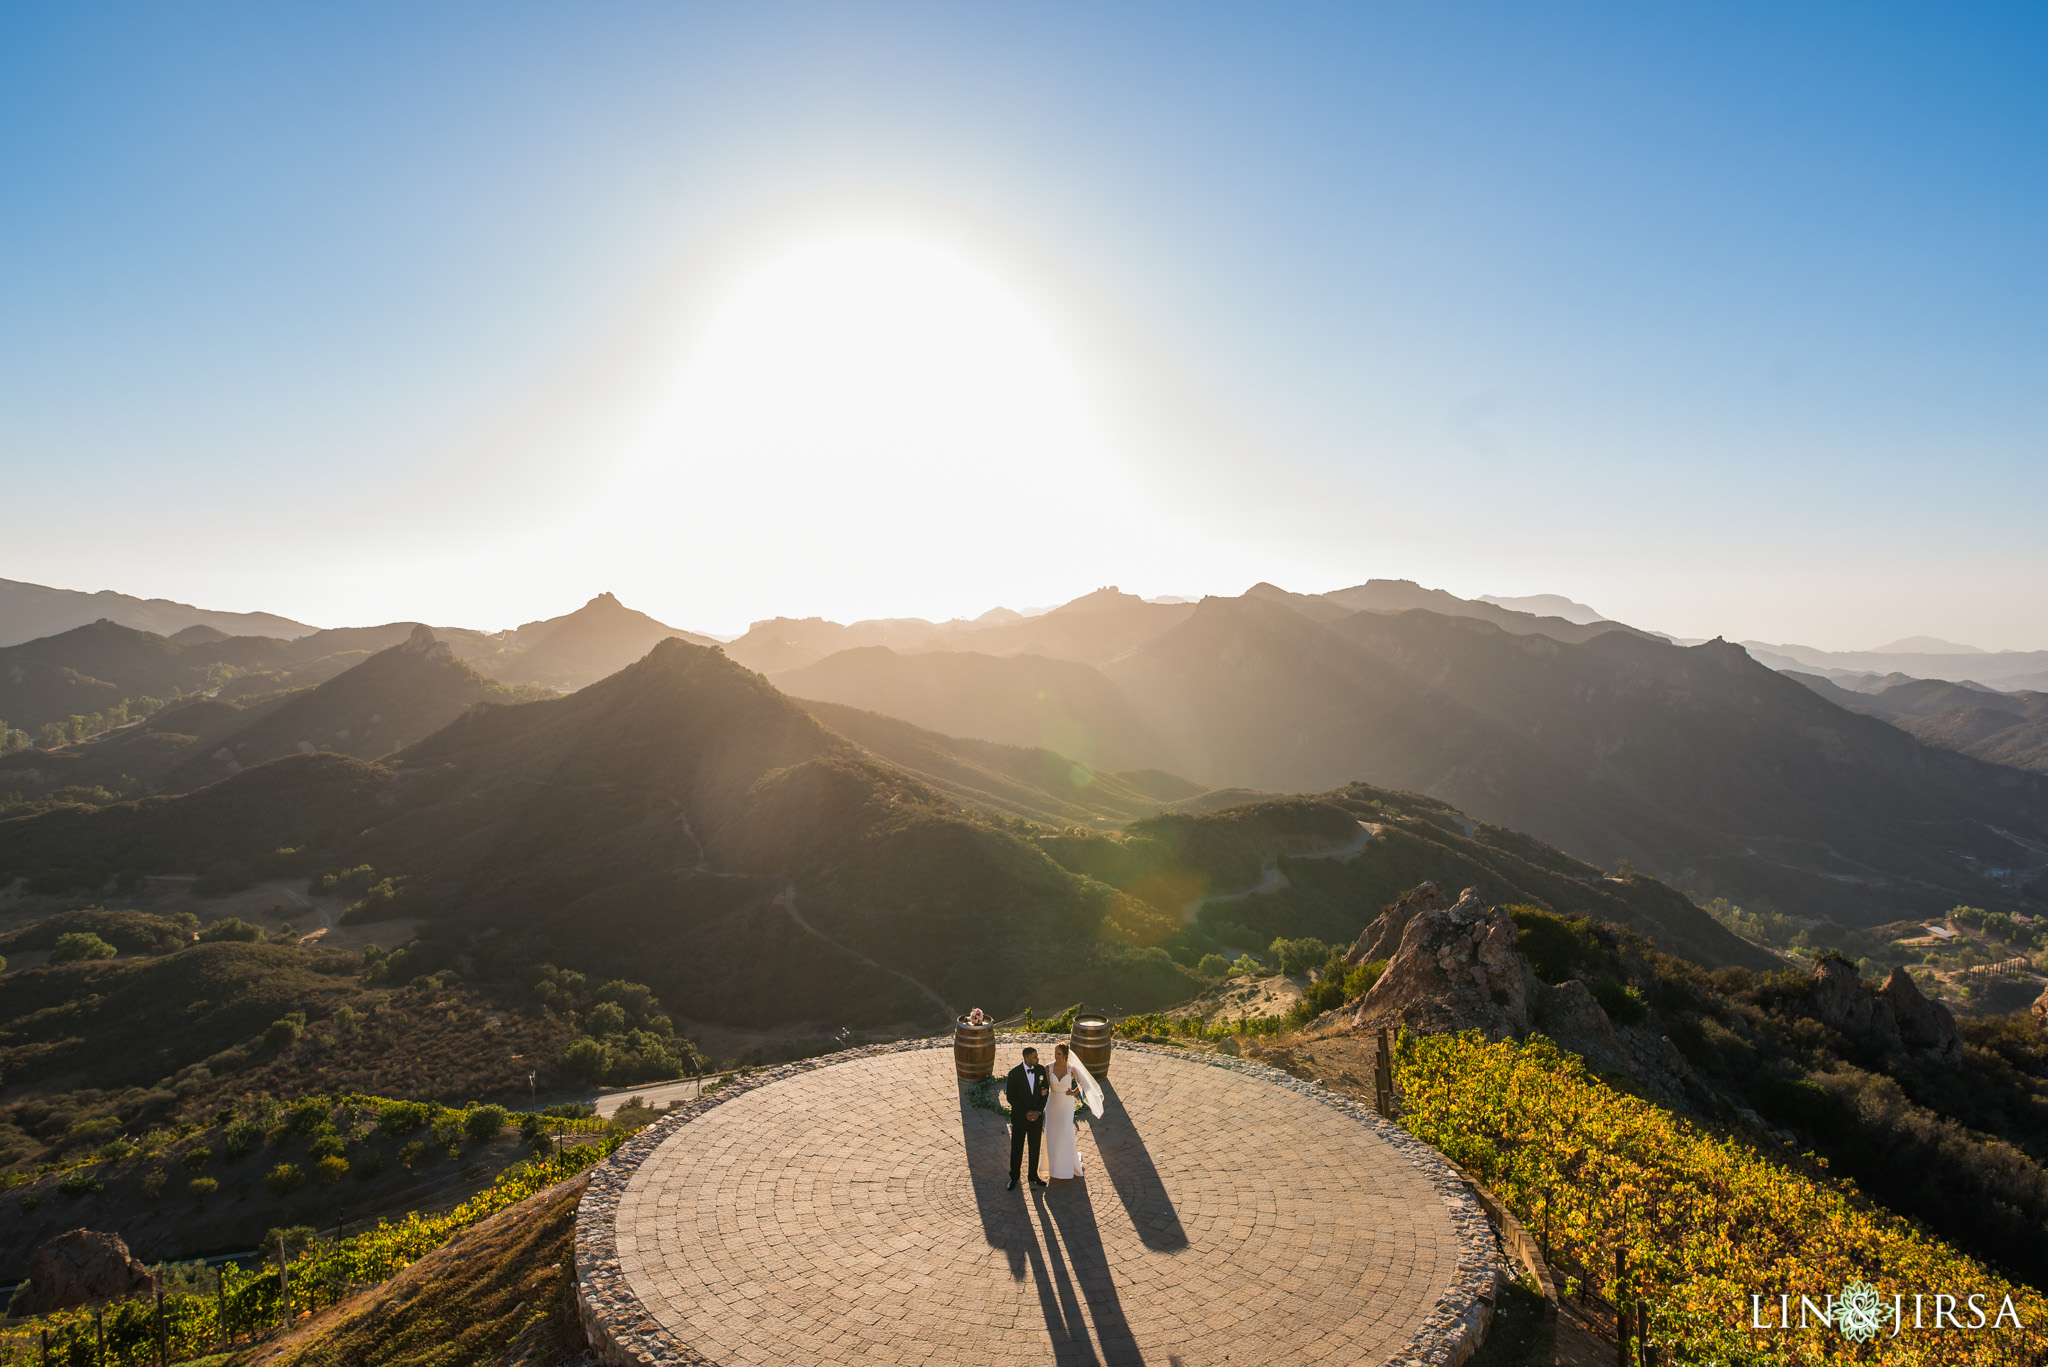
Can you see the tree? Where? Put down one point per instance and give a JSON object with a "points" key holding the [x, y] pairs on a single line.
{"points": [[1213, 966], [79, 945], [231, 928]]}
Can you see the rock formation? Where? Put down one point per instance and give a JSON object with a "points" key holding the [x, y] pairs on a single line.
{"points": [[1451, 968], [1895, 1016], [1457, 967], [2040, 1009], [1922, 1024], [1380, 939], [80, 1267]]}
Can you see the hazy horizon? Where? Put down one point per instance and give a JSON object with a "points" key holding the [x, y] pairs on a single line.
{"points": [[1725, 323], [1921, 643]]}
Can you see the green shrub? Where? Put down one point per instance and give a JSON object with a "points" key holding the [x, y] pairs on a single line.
{"points": [[195, 1159], [1296, 957], [285, 1178], [202, 1187], [308, 1116], [1359, 980], [587, 1059], [367, 1164], [330, 1169], [285, 1030], [80, 946], [395, 1118], [153, 1182], [606, 1018], [1247, 964], [1553, 945], [79, 1182], [95, 1131], [570, 1110], [484, 1122], [1213, 966], [1624, 1005], [1801, 1103], [415, 1153], [329, 1146], [232, 928], [114, 1150], [240, 1137]]}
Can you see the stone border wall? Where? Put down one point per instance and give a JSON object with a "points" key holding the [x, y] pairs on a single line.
{"points": [[623, 1334]]}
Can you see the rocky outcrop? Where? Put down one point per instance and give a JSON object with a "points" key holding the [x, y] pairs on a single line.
{"points": [[1453, 968], [1841, 999], [80, 1267], [1895, 1016], [1380, 939], [1922, 1024], [2040, 1009]]}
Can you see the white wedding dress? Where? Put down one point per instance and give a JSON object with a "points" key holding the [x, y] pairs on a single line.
{"points": [[1062, 1149]]}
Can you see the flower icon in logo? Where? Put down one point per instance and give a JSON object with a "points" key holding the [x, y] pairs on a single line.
{"points": [[1861, 1312]]}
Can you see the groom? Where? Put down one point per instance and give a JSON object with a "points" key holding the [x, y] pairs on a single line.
{"points": [[1027, 1088]]}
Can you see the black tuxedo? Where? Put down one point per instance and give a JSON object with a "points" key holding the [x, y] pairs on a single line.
{"points": [[1024, 1097]]}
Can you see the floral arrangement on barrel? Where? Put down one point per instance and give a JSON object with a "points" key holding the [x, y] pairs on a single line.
{"points": [[976, 1017]]}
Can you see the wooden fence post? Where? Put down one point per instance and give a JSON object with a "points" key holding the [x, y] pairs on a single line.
{"points": [[99, 1334], [1621, 1315], [1383, 1079], [284, 1287], [46, 1348], [163, 1331], [220, 1296]]}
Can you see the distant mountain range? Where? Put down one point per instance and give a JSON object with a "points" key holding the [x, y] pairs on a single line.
{"points": [[684, 822], [1927, 658], [1697, 764], [2004, 728], [28, 611]]}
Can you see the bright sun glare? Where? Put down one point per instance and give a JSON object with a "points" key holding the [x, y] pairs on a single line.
{"points": [[883, 395]]}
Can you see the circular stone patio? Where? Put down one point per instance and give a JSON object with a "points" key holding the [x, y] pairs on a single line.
{"points": [[851, 1209]]}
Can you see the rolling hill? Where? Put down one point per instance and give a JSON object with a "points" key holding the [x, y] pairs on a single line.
{"points": [[1699, 764], [1984, 723], [1028, 782], [30, 611], [406, 692], [682, 823], [1027, 700], [600, 638]]}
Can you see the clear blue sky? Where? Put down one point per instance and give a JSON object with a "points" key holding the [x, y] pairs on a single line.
{"points": [[1728, 319]]}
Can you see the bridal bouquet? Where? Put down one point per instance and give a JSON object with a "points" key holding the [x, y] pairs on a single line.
{"points": [[976, 1017]]}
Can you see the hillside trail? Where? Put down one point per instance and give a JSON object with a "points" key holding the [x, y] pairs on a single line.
{"points": [[1272, 880], [786, 899]]}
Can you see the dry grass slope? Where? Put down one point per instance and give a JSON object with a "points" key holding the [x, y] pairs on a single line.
{"points": [[497, 1293]]}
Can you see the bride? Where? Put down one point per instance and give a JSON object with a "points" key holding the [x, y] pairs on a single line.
{"points": [[1071, 1084]]}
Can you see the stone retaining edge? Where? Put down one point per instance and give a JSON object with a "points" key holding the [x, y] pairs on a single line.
{"points": [[623, 1334]]}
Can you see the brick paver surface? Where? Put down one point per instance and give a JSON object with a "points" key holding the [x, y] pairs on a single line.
{"points": [[856, 1214]]}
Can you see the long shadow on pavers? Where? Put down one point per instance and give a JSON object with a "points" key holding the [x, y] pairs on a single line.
{"points": [[1074, 1245], [1007, 1225], [1135, 1176]]}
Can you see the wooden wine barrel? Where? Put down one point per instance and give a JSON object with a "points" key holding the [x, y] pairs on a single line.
{"points": [[1091, 1041], [974, 1050]]}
